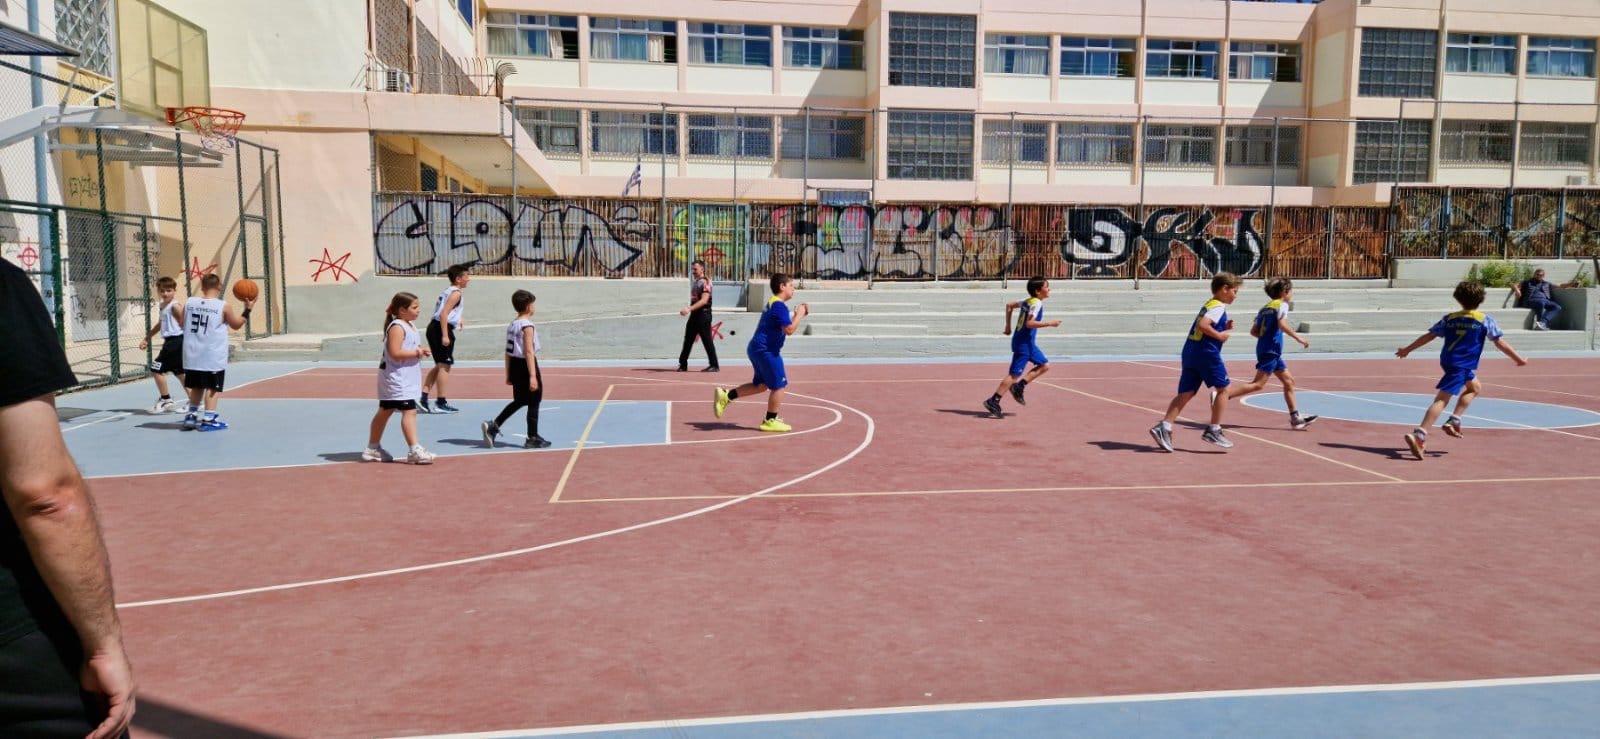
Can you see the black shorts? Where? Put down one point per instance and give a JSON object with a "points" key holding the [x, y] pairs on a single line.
{"points": [[442, 354], [39, 692], [398, 405], [204, 380], [517, 378], [170, 358]]}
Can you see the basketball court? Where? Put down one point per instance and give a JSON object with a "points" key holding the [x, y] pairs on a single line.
{"points": [[902, 564]]}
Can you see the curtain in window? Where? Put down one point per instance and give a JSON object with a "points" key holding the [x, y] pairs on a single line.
{"points": [[605, 46], [658, 49]]}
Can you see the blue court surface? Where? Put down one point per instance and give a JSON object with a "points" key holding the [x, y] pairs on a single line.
{"points": [[1405, 409], [1554, 708]]}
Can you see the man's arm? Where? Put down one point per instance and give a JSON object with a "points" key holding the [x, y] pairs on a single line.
{"points": [[50, 502]]}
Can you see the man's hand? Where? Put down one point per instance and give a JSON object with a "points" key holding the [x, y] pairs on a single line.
{"points": [[108, 674]]}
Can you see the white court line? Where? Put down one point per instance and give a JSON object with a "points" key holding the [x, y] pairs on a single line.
{"points": [[243, 385], [1044, 703], [866, 441], [1480, 417], [125, 415], [111, 417]]}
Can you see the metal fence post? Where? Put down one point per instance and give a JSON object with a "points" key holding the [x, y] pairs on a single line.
{"points": [[666, 214], [1561, 226], [1011, 173], [277, 200], [1272, 186], [1138, 244], [183, 213], [108, 257]]}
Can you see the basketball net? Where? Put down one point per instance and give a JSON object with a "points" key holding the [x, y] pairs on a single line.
{"points": [[218, 127]]}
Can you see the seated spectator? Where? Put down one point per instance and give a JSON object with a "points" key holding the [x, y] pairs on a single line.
{"points": [[1534, 294]]}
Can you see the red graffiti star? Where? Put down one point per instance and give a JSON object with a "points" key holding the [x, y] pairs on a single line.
{"points": [[331, 266], [712, 255], [716, 331], [196, 271]]}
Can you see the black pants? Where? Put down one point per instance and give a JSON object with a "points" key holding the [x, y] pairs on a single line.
{"points": [[699, 324], [517, 375], [39, 691]]}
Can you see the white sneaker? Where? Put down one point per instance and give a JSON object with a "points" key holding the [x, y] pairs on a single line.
{"points": [[161, 406], [375, 454], [418, 455]]}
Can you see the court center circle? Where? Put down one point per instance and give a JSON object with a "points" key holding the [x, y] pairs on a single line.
{"points": [[1405, 409]]}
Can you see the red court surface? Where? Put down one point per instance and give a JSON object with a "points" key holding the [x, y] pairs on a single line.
{"points": [[905, 549]]}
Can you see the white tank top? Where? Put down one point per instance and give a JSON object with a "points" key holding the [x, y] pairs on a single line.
{"points": [[455, 313], [205, 335], [514, 338], [400, 379], [169, 321]]}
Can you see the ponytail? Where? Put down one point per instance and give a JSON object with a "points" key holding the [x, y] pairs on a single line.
{"points": [[400, 302]]}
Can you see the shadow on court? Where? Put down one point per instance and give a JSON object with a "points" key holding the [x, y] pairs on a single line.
{"points": [[965, 412], [1123, 446], [166, 720], [717, 426], [1383, 451]]}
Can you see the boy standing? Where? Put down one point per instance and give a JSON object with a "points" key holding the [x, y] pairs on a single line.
{"points": [[1024, 345], [1465, 333], [775, 325], [442, 331], [699, 323], [169, 322], [1202, 363], [206, 321], [522, 374], [1269, 328]]}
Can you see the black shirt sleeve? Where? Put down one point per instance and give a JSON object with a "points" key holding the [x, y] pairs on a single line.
{"points": [[32, 362]]}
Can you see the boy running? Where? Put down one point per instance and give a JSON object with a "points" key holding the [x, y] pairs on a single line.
{"points": [[522, 374], [775, 325], [1202, 363], [1024, 345], [206, 321], [169, 323], [1465, 333], [1271, 325], [442, 333]]}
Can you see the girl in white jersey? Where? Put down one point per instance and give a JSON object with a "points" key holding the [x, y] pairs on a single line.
{"points": [[522, 374], [399, 380]]}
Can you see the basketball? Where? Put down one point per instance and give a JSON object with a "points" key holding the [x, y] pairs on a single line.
{"points": [[246, 290]]}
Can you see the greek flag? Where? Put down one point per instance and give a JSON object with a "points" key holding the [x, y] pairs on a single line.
{"points": [[635, 180]]}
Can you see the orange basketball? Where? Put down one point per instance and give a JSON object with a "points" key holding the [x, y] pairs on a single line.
{"points": [[246, 289]]}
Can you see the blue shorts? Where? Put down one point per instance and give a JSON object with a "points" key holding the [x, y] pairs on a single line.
{"points": [[1270, 365], [769, 370], [1212, 372], [1455, 379], [1021, 357]]}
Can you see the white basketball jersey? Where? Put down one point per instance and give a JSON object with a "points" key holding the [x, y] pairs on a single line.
{"points": [[401, 379], [455, 313], [205, 335], [169, 321], [514, 338]]}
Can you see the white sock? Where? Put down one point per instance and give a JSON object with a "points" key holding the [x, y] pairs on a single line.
{"points": [[416, 447], [1214, 427], [1165, 425], [375, 446]]}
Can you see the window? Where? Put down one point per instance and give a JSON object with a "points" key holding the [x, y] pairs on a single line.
{"points": [[932, 50], [1183, 59], [454, 184], [1251, 146], [633, 39], [85, 25], [1398, 63], [742, 136], [829, 138], [930, 145], [554, 131], [1249, 60], [734, 44], [1180, 146], [1011, 54], [1094, 143], [1556, 143], [1560, 57], [1475, 142], [1481, 54], [1387, 153], [821, 48], [466, 8], [1097, 57], [428, 178], [1027, 143], [631, 134], [512, 34]]}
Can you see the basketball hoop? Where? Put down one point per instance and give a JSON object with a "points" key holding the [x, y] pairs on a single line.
{"points": [[218, 127]]}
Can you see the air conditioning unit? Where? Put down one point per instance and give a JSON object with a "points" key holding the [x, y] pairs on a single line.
{"points": [[396, 80], [1576, 180]]}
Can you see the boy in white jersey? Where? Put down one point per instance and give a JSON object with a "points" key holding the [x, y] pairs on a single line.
{"points": [[522, 374], [399, 381], [206, 321], [442, 334], [169, 322]]}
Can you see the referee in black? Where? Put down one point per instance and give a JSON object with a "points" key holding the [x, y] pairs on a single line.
{"points": [[699, 323]]}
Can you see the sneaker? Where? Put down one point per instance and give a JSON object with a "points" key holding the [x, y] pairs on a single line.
{"points": [[1016, 394], [423, 406], [682, 368], [1162, 436], [213, 424], [489, 432], [191, 422], [712, 369], [376, 454], [418, 455], [1418, 444], [775, 424], [1299, 422], [169, 406], [719, 402], [1216, 437], [536, 442], [1452, 427], [160, 406], [1541, 326], [993, 406], [445, 407]]}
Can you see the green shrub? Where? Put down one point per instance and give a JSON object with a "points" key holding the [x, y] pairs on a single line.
{"points": [[1500, 273]]}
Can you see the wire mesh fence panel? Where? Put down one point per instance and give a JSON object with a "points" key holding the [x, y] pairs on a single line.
{"points": [[1359, 238], [1581, 221], [1420, 220], [1477, 218], [715, 233], [1536, 218], [1299, 245]]}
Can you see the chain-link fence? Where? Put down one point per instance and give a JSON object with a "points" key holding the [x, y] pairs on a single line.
{"points": [[1501, 223]]}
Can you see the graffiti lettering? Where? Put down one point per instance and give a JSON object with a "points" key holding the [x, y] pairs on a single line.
{"points": [[435, 235], [895, 241], [1102, 238]]}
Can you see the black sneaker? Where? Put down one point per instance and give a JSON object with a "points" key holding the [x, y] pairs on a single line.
{"points": [[536, 442], [1298, 422], [712, 369], [1452, 427], [682, 368], [993, 406], [1016, 394], [489, 432]]}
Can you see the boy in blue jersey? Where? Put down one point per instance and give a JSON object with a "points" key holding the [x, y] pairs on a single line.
{"points": [[1269, 328], [1465, 333], [1202, 363], [1024, 345], [776, 323]]}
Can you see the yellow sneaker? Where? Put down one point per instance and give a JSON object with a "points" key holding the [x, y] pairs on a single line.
{"points": [[719, 402], [775, 424]]}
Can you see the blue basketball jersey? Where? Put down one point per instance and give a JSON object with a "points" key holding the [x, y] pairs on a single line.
{"points": [[1269, 342], [770, 333], [1464, 333], [1198, 347], [1023, 337]]}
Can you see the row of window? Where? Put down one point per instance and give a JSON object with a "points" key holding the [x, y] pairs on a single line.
{"points": [[558, 133], [1118, 57], [1403, 62], [642, 40], [1388, 153]]}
